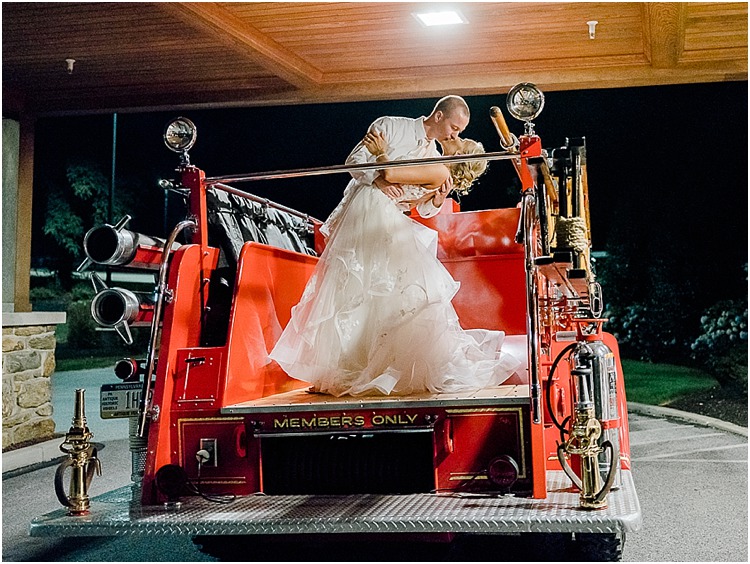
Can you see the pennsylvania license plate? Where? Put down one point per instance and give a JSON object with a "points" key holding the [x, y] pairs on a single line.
{"points": [[119, 400]]}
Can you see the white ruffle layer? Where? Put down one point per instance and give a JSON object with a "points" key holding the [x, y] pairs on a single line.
{"points": [[376, 316]]}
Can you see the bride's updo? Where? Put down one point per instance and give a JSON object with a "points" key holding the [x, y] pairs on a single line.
{"points": [[464, 174]]}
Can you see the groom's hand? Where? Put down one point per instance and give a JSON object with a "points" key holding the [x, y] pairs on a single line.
{"points": [[393, 191], [439, 198]]}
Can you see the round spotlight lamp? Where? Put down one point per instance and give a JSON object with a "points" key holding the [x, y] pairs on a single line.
{"points": [[180, 135], [525, 101]]}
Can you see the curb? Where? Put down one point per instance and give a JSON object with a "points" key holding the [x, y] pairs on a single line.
{"points": [[32, 457], [668, 412]]}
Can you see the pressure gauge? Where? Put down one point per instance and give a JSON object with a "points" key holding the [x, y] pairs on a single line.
{"points": [[180, 135], [525, 101]]}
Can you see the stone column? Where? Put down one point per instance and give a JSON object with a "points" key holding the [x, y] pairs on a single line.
{"points": [[28, 363]]}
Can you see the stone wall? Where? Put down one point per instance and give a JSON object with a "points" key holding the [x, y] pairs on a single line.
{"points": [[28, 364]]}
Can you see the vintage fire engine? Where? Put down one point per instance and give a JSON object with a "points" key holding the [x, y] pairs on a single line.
{"points": [[214, 423]]}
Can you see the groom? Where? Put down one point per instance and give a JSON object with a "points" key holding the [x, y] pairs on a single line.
{"points": [[413, 139]]}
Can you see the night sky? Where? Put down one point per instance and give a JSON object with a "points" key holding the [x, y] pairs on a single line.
{"points": [[666, 165]]}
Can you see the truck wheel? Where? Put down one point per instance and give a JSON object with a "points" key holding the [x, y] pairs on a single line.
{"points": [[547, 547], [598, 547], [220, 547], [523, 547]]}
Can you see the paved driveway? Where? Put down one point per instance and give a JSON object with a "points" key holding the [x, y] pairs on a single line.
{"points": [[692, 486]]}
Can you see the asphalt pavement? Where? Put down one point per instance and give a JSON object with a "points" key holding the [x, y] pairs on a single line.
{"points": [[691, 476]]}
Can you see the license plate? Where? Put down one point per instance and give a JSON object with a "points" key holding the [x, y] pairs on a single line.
{"points": [[119, 400]]}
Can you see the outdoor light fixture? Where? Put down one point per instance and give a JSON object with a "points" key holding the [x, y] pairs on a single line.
{"points": [[447, 17], [592, 28]]}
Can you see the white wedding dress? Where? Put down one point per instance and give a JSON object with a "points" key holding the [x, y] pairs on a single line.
{"points": [[376, 315]]}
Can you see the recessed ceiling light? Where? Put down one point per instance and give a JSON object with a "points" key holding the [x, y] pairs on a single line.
{"points": [[447, 17]]}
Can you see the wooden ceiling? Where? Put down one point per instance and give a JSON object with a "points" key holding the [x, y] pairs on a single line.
{"points": [[147, 56]]}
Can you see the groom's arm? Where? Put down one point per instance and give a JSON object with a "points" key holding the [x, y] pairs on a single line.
{"points": [[360, 154]]}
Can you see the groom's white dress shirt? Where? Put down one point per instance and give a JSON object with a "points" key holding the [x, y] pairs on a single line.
{"points": [[406, 139]]}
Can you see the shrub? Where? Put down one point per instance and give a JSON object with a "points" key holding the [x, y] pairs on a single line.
{"points": [[649, 331], [652, 310], [722, 345], [82, 291], [641, 333], [81, 326]]}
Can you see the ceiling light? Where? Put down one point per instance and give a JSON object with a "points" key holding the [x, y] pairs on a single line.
{"points": [[447, 17]]}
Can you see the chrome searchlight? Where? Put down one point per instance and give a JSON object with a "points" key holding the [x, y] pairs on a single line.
{"points": [[179, 136], [525, 102]]}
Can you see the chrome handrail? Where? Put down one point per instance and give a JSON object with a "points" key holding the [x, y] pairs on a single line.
{"points": [[528, 219], [334, 169], [161, 293]]}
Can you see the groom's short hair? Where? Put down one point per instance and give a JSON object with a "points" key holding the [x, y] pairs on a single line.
{"points": [[451, 104]]}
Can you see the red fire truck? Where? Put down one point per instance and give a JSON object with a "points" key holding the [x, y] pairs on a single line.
{"points": [[225, 443]]}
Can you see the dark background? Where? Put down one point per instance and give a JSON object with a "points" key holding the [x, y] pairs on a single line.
{"points": [[667, 166]]}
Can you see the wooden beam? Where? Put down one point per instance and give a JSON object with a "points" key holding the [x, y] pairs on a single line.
{"points": [[499, 83], [23, 213], [663, 33], [247, 40]]}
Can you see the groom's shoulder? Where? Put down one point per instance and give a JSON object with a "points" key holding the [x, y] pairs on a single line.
{"points": [[396, 119], [396, 122]]}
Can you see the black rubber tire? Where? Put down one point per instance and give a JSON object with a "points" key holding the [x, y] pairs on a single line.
{"points": [[527, 547], [598, 547], [318, 548]]}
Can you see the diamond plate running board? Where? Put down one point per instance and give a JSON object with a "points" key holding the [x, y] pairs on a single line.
{"points": [[113, 514]]}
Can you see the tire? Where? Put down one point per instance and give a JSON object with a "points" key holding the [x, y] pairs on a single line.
{"points": [[219, 547], [523, 547], [527, 547], [598, 547], [314, 547]]}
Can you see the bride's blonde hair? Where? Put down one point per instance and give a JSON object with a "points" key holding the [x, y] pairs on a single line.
{"points": [[464, 174]]}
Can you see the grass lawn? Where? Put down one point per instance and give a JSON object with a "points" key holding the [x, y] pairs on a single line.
{"points": [[658, 384]]}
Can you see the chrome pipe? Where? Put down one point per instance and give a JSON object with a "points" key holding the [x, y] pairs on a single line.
{"points": [[532, 302], [114, 306], [335, 169], [109, 246], [161, 292]]}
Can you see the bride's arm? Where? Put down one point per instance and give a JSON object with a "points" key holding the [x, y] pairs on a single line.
{"points": [[429, 176]]}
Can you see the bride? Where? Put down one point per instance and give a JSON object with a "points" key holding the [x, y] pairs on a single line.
{"points": [[376, 315]]}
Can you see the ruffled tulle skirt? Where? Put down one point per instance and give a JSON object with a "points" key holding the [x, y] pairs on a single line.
{"points": [[376, 315]]}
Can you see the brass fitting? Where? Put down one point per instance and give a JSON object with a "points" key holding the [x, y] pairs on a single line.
{"points": [[82, 460], [583, 443]]}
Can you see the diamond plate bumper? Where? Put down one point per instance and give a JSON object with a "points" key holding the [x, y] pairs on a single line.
{"points": [[113, 514]]}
